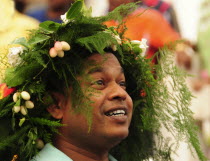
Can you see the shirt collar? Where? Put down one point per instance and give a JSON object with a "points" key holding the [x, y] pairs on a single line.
{"points": [[49, 152]]}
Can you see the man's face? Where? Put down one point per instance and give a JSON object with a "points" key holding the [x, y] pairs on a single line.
{"points": [[112, 107]]}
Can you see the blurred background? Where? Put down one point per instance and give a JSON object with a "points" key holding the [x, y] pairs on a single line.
{"points": [[184, 19]]}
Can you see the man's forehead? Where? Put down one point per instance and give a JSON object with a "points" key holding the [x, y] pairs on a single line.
{"points": [[101, 63], [100, 59], [100, 69]]}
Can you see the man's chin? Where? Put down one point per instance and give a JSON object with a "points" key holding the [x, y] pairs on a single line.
{"points": [[117, 138]]}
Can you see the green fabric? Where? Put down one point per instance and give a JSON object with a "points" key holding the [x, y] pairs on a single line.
{"points": [[50, 153]]}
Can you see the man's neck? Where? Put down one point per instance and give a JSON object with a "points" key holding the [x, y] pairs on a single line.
{"points": [[80, 154]]}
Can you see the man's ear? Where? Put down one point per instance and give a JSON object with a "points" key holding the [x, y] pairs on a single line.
{"points": [[57, 109]]}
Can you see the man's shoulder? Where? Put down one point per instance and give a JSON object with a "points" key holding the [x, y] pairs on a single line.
{"points": [[49, 152], [111, 158]]}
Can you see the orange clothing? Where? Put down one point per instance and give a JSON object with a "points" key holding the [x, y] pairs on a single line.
{"points": [[150, 25]]}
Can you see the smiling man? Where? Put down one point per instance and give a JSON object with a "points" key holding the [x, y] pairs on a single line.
{"points": [[82, 91], [112, 111]]}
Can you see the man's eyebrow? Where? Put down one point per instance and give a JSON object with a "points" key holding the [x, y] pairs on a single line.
{"points": [[100, 69], [96, 70]]}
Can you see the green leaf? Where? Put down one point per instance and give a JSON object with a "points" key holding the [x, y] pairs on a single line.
{"points": [[103, 40], [49, 26], [42, 121], [6, 108], [4, 102], [38, 57], [22, 74], [18, 102], [8, 141], [75, 10], [32, 134], [22, 121], [38, 38], [22, 41]]}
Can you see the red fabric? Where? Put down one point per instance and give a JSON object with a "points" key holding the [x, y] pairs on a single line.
{"points": [[151, 2], [164, 7], [5, 91]]}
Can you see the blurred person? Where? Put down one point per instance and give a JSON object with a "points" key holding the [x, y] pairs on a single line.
{"points": [[20, 5], [165, 9], [13, 25], [150, 25], [52, 12]]}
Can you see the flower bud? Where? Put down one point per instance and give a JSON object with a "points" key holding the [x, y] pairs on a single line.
{"points": [[53, 52], [23, 110], [16, 96], [16, 109], [65, 46], [29, 104], [114, 47], [39, 144], [25, 95], [58, 46], [61, 53], [117, 37]]}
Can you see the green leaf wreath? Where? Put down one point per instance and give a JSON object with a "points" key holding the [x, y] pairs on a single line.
{"points": [[160, 96]]}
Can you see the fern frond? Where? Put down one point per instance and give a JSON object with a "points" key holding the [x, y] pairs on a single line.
{"points": [[42, 121], [9, 141]]}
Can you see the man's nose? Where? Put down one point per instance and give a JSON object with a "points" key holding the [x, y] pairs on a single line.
{"points": [[117, 92]]}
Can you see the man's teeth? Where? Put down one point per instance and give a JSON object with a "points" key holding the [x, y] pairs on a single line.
{"points": [[116, 113]]}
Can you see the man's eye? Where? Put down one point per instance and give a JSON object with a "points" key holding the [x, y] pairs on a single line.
{"points": [[98, 82], [123, 84]]}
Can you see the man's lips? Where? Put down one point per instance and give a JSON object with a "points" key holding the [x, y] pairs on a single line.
{"points": [[116, 111]]}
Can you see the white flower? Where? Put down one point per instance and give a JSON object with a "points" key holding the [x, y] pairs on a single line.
{"points": [[14, 58], [119, 41], [142, 45], [64, 19], [117, 37]]}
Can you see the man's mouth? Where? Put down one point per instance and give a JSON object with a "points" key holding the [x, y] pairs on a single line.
{"points": [[117, 112]]}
